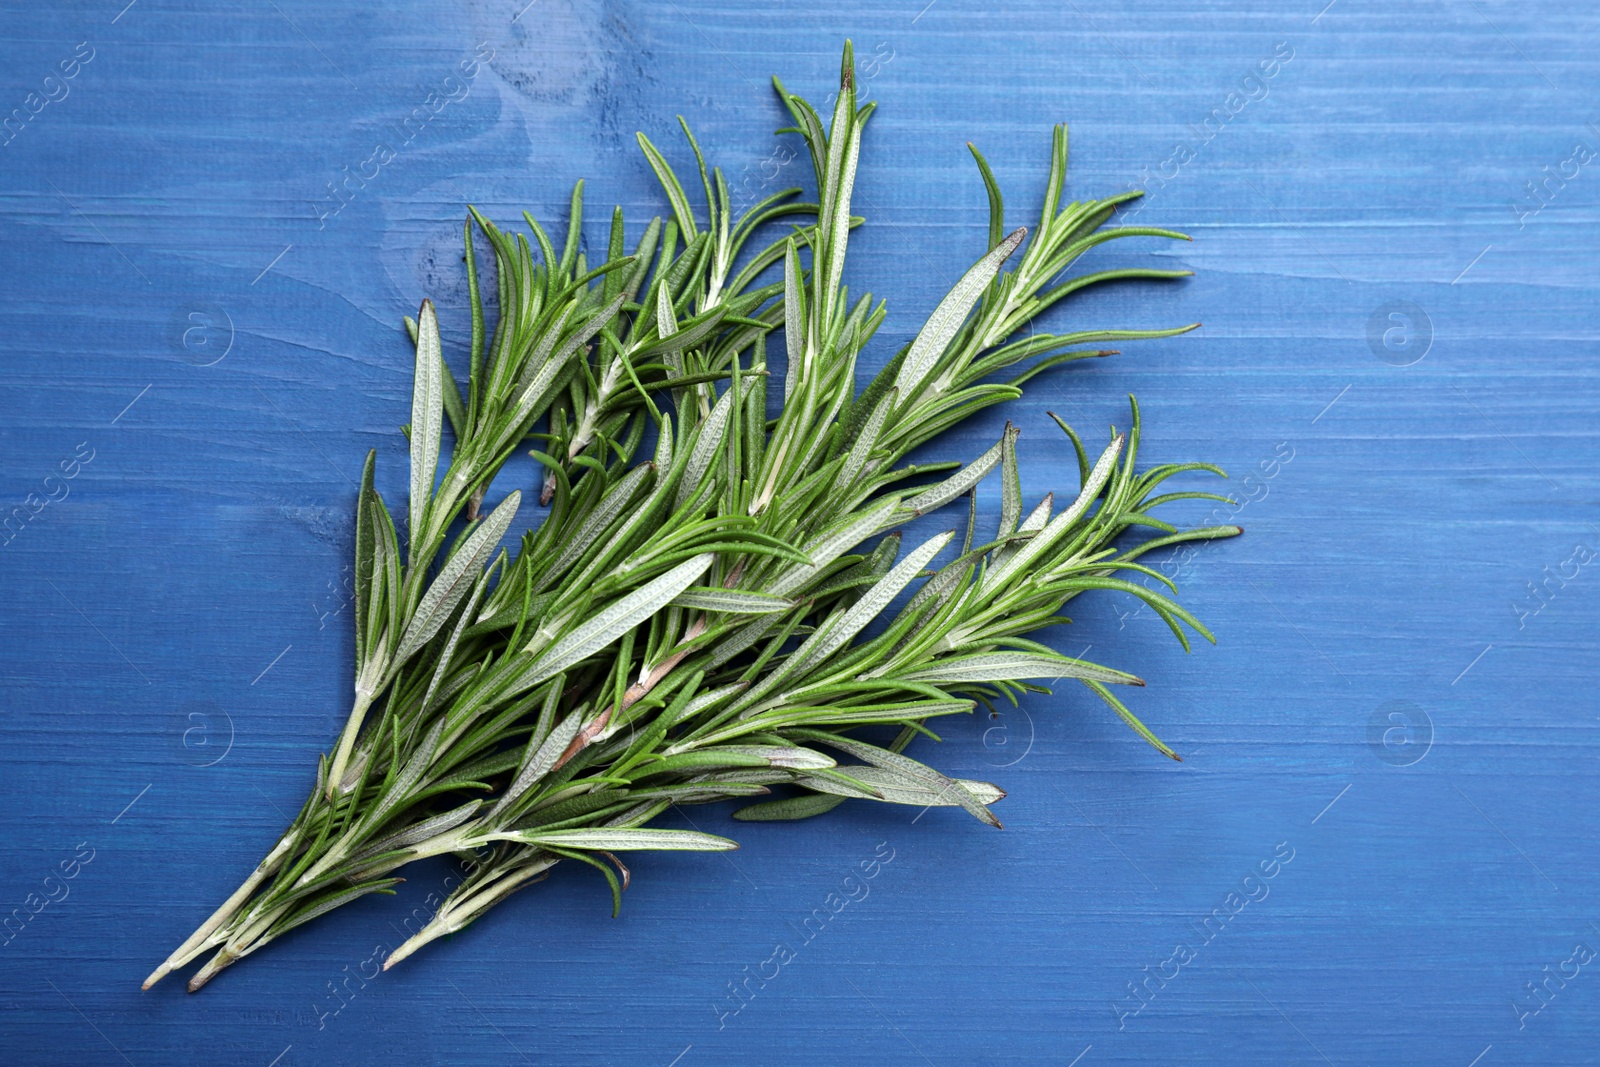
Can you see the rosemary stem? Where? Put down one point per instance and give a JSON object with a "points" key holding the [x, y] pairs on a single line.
{"points": [[257, 932], [196, 942], [335, 854], [209, 971], [450, 919], [347, 740]]}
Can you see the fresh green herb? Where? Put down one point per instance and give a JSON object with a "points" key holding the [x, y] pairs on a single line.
{"points": [[695, 627]]}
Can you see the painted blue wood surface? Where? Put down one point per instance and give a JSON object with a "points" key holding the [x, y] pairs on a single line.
{"points": [[198, 351]]}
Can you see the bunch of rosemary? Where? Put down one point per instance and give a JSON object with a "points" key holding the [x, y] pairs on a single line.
{"points": [[694, 627]]}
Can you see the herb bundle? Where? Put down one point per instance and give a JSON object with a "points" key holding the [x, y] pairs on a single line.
{"points": [[695, 627]]}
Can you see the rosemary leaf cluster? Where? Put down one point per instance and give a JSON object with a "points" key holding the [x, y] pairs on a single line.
{"points": [[715, 619]]}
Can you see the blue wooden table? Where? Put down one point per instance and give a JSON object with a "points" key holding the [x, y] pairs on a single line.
{"points": [[1380, 847]]}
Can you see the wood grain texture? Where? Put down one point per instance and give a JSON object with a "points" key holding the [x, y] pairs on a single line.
{"points": [[175, 629]]}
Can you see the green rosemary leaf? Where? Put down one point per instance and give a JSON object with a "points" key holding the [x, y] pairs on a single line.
{"points": [[744, 638], [1208, 533], [911, 773], [386, 603], [447, 654], [895, 788], [707, 444], [871, 714], [624, 840], [586, 332], [682, 213], [421, 831], [839, 784], [475, 298], [866, 441], [829, 639], [1058, 526], [952, 311], [790, 808], [366, 554], [603, 868], [732, 601], [541, 758], [612, 622], [840, 538], [997, 211], [1165, 605], [960, 483], [427, 417], [700, 761], [1010, 484], [458, 577], [615, 502], [1006, 666], [336, 900], [569, 252], [1132, 720], [788, 757], [1036, 520]]}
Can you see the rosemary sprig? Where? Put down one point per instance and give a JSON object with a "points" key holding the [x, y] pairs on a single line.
{"points": [[690, 629], [416, 650], [727, 731]]}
